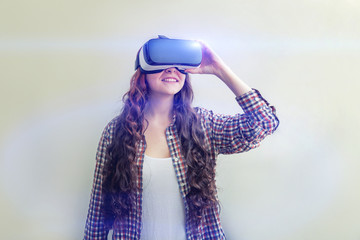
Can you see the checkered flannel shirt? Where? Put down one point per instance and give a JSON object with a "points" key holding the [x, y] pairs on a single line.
{"points": [[225, 134]]}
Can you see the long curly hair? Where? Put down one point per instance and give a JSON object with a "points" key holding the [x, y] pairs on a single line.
{"points": [[120, 172]]}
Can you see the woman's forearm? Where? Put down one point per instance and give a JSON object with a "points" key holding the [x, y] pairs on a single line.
{"points": [[237, 86]]}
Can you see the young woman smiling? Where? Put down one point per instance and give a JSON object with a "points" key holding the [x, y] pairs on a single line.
{"points": [[155, 165]]}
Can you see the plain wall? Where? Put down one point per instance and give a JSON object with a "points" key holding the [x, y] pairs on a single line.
{"points": [[65, 65]]}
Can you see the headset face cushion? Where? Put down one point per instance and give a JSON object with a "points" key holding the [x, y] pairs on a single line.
{"points": [[159, 54]]}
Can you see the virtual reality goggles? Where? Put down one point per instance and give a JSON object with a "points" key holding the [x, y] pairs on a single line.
{"points": [[161, 53]]}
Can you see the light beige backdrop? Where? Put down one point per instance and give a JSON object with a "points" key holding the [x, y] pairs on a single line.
{"points": [[64, 66]]}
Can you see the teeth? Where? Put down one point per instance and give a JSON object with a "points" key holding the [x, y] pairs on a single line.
{"points": [[169, 80]]}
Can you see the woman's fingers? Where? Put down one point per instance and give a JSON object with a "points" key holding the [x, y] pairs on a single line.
{"points": [[193, 70], [210, 63]]}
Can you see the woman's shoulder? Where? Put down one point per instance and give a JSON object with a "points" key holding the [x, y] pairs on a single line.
{"points": [[109, 128], [206, 115], [202, 110]]}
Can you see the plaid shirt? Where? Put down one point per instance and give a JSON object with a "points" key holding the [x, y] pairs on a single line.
{"points": [[224, 135]]}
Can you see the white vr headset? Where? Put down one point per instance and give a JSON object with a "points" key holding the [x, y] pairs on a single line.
{"points": [[162, 53]]}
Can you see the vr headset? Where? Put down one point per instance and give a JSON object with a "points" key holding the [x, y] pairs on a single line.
{"points": [[161, 53]]}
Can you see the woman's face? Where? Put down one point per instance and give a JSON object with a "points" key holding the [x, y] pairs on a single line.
{"points": [[168, 82]]}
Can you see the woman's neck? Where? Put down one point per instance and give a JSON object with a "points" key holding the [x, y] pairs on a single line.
{"points": [[160, 107]]}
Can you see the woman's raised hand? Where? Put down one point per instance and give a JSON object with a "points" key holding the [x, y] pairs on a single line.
{"points": [[213, 64], [210, 64]]}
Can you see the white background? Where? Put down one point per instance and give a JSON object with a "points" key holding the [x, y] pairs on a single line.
{"points": [[65, 65]]}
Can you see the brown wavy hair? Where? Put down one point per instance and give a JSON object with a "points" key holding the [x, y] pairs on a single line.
{"points": [[120, 171]]}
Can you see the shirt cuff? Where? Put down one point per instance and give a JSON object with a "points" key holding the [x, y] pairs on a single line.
{"points": [[251, 101]]}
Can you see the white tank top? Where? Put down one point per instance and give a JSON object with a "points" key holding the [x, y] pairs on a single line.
{"points": [[163, 214]]}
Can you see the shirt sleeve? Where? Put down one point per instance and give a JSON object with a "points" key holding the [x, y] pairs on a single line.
{"points": [[241, 132], [95, 228]]}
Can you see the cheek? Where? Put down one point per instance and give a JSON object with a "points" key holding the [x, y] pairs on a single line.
{"points": [[183, 78], [151, 79]]}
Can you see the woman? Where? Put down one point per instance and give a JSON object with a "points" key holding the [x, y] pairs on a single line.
{"points": [[155, 164]]}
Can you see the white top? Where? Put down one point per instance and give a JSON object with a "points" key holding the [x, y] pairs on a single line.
{"points": [[163, 209]]}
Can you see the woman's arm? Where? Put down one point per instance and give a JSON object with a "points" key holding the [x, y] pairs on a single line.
{"points": [[241, 132]]}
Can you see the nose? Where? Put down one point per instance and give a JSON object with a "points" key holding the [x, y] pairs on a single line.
{"points": [[171, 70]]}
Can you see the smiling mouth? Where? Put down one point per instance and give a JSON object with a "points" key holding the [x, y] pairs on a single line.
{"points": [[169, 80]]}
